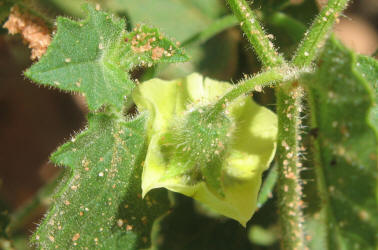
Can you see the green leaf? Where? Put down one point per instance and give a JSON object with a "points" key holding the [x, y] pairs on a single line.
{"points": [[346, 147], [368, 69], [318, 231], [99, 205], [178, 18], [232, 157], [93, 57], [267, 187]]}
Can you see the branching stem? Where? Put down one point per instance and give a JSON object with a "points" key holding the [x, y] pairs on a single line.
{"points": [[288, 110]]}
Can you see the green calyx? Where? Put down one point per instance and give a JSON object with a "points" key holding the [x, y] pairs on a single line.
{"points": [[197, 143], [215, 157]]}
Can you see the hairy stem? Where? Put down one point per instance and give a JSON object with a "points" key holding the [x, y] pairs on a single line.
{"points": [[262, 79], [260, 41], [305, 54], [288, 109], [288, 156], [317, 33]]}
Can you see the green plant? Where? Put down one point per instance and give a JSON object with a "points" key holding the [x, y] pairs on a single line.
{"points": [[196, 136]]}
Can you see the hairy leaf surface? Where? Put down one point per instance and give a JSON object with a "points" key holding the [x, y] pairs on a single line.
{"points": [[99, 204], [94, 56], [346, 166]]}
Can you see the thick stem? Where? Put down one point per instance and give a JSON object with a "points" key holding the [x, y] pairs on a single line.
{"points": [[316, 35], [288, 156], [288, 110], [260, 41]]}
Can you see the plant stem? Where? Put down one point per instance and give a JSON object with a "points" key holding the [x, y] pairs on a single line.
{"points": [[288, 156], [261, 43], [314, 38], [305, 54], [288, 109], [262, 79]]}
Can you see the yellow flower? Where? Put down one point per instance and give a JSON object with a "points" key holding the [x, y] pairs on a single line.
{"points": [[216, 158]]}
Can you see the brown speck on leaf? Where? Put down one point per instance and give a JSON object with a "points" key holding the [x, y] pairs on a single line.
{"points": [[76, 237], [32, 29], [157, 53], [142, 48]]}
